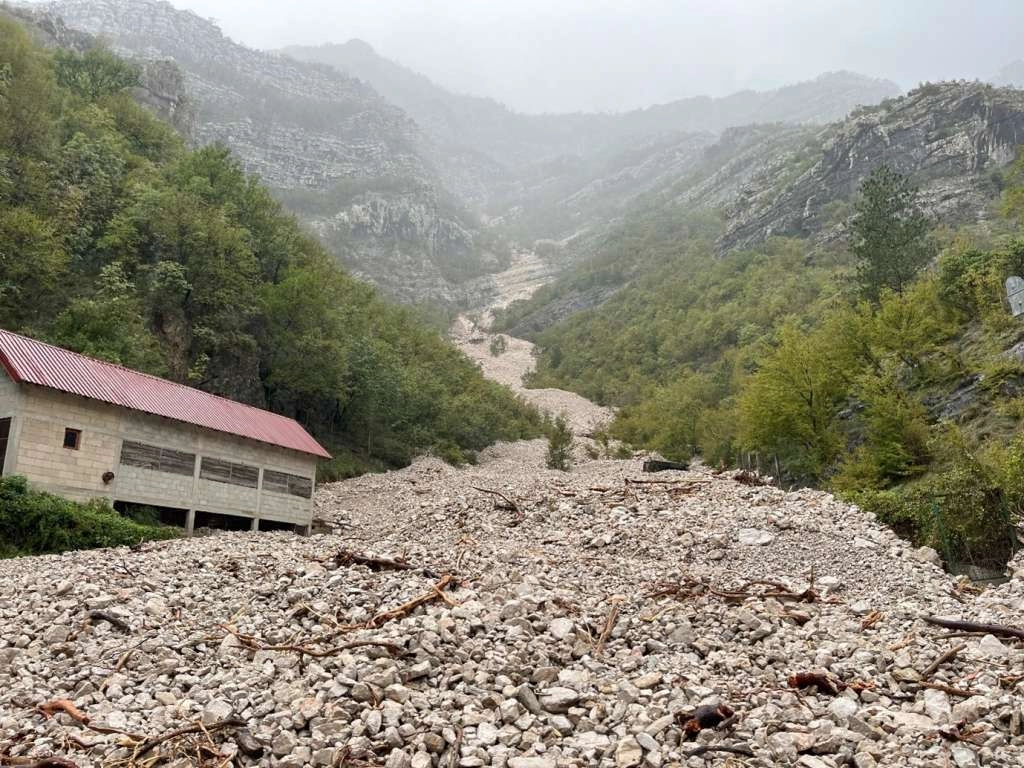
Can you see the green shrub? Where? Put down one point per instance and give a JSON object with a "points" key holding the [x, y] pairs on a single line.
{"points": [[32, 522], [499, 344], [560, 443], [965, 509]]}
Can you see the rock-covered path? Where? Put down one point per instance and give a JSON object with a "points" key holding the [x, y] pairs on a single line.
{"points": [[538, 620]]}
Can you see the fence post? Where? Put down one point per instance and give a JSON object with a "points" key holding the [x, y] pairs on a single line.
{"points": [[943, 535]]}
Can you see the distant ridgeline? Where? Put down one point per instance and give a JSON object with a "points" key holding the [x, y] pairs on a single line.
{"points": [[119, 242], [398, 176]]}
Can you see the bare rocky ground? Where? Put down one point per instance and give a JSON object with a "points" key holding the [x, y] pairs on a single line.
{"points": [[511, 365], [576, 619]]}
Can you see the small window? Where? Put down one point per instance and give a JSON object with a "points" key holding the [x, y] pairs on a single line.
{"points": [[72, 438]]}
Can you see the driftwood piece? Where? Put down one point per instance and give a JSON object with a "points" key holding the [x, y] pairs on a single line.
{"points": [[114, 621], [731, 749], [746, 477], [374, 563], [706, 716], [50, 708], [972, 626], [307, 649], [505, 502], [609, 624], [947, 656], [825, 682]]}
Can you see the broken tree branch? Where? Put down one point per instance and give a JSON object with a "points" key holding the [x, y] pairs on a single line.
{"points": [[149, 744], [254, 643], [506, 504], [947, 656], [998, 630], [609, 624], [734, 750], [436, 593]]}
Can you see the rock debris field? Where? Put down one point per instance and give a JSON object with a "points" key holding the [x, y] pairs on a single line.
{"points": [[603, 617]]}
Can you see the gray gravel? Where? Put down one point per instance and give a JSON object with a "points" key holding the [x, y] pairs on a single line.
{"points": [[509, 673]]}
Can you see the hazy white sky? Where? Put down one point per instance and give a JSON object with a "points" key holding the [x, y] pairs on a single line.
{"points": [[558, 55]]}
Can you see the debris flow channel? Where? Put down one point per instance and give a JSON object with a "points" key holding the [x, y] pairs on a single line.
{"points": [[509, 615]]}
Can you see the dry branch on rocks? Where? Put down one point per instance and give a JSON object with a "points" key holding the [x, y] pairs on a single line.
{"points": [[998, 630]]}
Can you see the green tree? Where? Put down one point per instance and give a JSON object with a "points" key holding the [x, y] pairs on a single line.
{"points": [[789, 409], [110, 325], [95, 73], [890, 233]]}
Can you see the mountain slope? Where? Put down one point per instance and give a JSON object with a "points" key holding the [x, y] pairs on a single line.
{"points": [[311, 133]]}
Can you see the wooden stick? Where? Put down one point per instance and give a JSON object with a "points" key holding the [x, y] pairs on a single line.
{"points": [[972, 626], [257, 644], [609, 625], [947, 656], [947, 688]]}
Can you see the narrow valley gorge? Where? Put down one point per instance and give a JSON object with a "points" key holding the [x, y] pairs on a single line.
{"points": [[680, 436]]}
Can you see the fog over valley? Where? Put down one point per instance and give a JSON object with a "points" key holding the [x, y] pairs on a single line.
{"points": [[595, 55]]}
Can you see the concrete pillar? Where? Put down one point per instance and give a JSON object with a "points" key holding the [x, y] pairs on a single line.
{"points": [[190, 522], [255, 524]]}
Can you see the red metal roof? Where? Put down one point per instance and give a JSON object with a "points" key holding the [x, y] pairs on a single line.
{"points": [[33, 362]]}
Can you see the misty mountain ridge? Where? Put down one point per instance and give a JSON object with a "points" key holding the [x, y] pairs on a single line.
{"points": [[517, 139]]}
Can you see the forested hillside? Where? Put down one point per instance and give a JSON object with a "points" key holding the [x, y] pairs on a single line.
{"points": [[117, 241], [886, 365]]}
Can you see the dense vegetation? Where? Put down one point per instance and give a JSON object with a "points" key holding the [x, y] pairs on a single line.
{"points": [[117, 241], [34, 523], [873, 369]]}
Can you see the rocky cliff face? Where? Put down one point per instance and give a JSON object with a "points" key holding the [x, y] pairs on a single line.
{"points": [[950, 137], [304, 129]]}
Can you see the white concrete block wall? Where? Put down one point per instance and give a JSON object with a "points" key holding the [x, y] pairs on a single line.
{"points": [[36, 451]]}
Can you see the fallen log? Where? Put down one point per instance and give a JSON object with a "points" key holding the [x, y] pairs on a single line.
{"points": [[653, 465], [998, 630]]}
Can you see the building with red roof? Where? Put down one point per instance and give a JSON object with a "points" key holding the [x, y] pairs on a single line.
{"points": [[84, 428]]}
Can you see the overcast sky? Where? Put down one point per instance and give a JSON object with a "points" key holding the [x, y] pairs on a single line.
{"points": [[563, 55]]}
